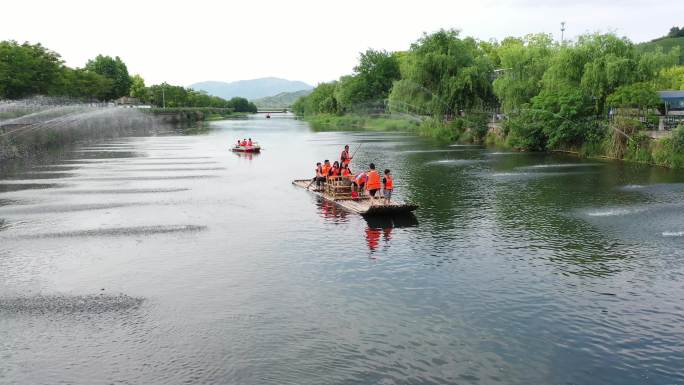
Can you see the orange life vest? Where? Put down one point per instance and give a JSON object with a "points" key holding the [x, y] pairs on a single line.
{"points": [[325, 169], [346, 172], [389, 183], [249, 143], [243, 143], [373, 181], [335, 171], [344, 157]]}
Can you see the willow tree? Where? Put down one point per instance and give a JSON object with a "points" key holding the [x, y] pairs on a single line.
{"points": [[456, 73], [523, 63]]}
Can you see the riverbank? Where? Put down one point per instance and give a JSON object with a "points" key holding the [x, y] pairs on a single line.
{"points": [[30, 130], [471, 128], [613, 143]]}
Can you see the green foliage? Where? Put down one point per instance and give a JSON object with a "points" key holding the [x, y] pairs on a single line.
{"points": [[327, 122], [138, 89], [525, 132], [28, 69], [669, 152], [670, 78], [320, 101], [115, 70], [455, 72], [555, 120], [639, 149], [409, 97], [84, 84], [522, 66], [350, 91], [667, 44], [676, 32], [170, 96], [678, 139], [377, 70], [636, 95], [241, 105]]}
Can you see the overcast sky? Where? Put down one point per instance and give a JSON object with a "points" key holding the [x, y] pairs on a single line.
{"points": [[182, 42]]}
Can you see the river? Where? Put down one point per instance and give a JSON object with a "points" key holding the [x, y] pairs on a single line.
{"points": [[168, 259]]}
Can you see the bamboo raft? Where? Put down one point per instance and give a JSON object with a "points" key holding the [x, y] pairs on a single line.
{"points": [[340, 194]]}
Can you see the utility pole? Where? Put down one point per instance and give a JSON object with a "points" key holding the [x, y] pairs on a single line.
{"points": [[163, 97], [562, 32]]}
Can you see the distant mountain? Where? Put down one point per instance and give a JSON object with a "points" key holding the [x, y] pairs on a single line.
{"points": [[282, 100], [251, 89]]}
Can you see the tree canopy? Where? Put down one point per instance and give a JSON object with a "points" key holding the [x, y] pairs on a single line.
{"points": [[115, 70]]}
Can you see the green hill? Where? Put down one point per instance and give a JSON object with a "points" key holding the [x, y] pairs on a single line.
{"points": [[667, 43], [281, 100]]}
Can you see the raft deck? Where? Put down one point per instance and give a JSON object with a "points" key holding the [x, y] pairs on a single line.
{"points": [[361, 205]]}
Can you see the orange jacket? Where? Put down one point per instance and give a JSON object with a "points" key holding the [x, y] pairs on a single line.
{"points": [[389, 183], [373, 181]]}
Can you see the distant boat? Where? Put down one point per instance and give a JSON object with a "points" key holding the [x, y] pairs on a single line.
{"points": [[268, 116], [255, 148]]}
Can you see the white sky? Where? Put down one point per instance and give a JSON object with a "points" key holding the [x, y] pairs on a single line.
{"points": [[183, 42]]}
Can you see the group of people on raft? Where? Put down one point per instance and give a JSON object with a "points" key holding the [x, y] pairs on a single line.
{"points": [[245, 142], [368, 181]]}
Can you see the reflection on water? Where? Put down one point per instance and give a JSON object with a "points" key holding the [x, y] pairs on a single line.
{"points": [[373, 238], [377, 226], [247, 155]]}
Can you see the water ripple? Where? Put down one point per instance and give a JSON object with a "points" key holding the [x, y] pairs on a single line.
{"points": [[50, 304], [122, 231]]}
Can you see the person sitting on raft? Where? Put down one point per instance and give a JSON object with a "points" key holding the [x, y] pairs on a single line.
{"points": [[243, 143], [249, 142], [320, 176], [326, 167], [373, 184], [387, 186], [346, 172], [334, 170]]}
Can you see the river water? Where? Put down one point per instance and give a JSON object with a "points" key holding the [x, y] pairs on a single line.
{"points": [[168, 259]]}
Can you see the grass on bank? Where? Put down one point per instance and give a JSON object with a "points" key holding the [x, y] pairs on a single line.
{"points": [[622, 139], [471, 128]]}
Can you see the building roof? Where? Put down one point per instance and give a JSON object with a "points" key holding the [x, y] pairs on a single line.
{"points": [[671, 94]]}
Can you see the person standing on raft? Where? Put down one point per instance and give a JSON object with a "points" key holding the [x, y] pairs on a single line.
{"points": [[387, 186], [344, 157], [373, 184]]}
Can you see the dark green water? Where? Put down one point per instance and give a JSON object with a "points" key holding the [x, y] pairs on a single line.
{"points": [[168, 259]]}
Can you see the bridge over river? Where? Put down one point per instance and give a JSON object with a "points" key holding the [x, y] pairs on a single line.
{"points": [[273, 111]]}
